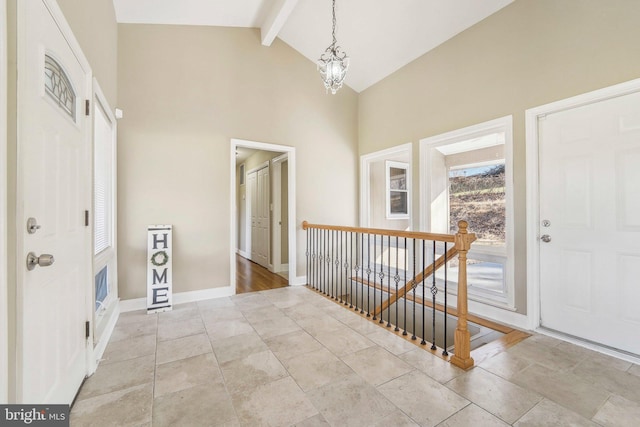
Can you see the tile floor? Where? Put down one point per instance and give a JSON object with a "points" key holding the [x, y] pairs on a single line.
{"points": [[291, 357]]}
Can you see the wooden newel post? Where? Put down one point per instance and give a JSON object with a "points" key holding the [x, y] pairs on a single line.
{"points": [[462, 338]]}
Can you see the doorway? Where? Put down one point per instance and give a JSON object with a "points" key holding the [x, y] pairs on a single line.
{"points": [[583, 239], [263, 213]]}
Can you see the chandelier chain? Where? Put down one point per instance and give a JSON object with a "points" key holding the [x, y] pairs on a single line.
{"points": [[334, 25]]}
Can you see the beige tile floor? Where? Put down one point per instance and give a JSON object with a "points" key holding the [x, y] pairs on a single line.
{"points": [[291, 357]]}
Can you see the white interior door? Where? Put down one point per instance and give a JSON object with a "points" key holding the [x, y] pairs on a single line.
{"points": [[252, 202], [53, 188], [262, 226], [589, 203]]}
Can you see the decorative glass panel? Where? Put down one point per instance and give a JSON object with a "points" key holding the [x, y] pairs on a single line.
{"points": [[58, 86], [102, 287]]}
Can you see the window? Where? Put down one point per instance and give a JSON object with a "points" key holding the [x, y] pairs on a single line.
{"points": [[397, 190], [58, 86], [103, 181], [467, 176]]}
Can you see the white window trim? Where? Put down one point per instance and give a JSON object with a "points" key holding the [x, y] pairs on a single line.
{"points": [[104, 319], [4, 304], [397, 165], [503, 124], [365, 187]]}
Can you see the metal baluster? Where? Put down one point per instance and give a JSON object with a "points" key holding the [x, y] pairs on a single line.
{"points": [[415, 285], [434, 290], [406, 267], [351, 262], [397, 279], [330, 264], [381, 275], [337, 264], [362, 293], [375, 251], [340, 261], [444, 352], [389, 283], [424, 296], [357, 268]]}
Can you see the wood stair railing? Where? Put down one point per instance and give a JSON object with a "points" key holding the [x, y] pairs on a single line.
{"points": [[461, 244]]}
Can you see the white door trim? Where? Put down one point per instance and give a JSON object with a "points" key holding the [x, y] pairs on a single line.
{"points": [[532, 163], [4, 296], [67, 33], [365, 188], [291, 151], [276, 193]]}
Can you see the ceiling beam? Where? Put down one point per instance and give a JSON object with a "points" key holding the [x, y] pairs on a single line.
{"points": [[275, 20]]}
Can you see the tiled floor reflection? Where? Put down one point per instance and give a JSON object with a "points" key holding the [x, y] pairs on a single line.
{"points": [[288, 357]]}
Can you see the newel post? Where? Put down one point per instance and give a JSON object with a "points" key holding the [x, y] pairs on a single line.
{"points": [[462, 338]]}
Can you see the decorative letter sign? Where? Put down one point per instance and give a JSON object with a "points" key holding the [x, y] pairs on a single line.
{"points": [[159, 272]]}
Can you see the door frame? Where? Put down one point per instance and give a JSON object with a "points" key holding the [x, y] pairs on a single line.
{"points": [[532, 117], [4, 295], [68, 35], [291, 152], [276, 198]]}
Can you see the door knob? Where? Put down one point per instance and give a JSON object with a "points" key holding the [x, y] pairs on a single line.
{"points": [[545, 238], [44, 260]]}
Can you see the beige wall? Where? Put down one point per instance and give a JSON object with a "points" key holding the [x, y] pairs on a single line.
{"points": [[378, 194], [185, 92], [94, 24], [530, 53]]}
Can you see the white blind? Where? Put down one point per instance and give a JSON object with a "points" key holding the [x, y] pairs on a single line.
{"points": [[103, 177]]}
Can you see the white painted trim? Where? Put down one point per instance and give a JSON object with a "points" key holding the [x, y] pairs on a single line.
{"points": [[243, 254], [276, 199], [365, 188], [498, 314], [101, 345], [261, 166], [180, 298], [532, 163], [293, 229], [298, 281], [4, 294], [427, 144]]}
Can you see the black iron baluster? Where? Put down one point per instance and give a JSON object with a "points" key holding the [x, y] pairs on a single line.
{"points": [[434, 291], [424, 296], [375, 251], [351, 262], [388, 283], [406, 267], [332, 283], [340, 260], [444, 352], [337, 264], [397, 280], [362, 293], [381, 275], [355, 307], [414, 285]]}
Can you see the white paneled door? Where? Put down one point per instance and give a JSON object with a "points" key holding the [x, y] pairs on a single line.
{"points": [[260, 206], [54, 191], [589, 229]]}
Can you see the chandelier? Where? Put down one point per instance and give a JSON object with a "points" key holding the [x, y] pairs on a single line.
{"points": [[333, 63]]}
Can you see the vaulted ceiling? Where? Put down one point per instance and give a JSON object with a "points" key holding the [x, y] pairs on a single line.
{"points": [[380, 36]]}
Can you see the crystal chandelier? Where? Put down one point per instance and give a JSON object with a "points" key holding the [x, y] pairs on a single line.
{"points": [[333, 63]]}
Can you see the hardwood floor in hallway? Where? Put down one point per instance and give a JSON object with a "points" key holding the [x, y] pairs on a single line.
{"points": [[252, 277]]}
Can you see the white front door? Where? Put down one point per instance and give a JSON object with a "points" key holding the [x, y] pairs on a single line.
{"points": [[54, 177], [589, 176]]}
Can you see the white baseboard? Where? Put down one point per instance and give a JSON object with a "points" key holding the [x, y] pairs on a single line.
{"points": [[180, 298], [105, 336], [243, 254], [499, 315], [298, 281]]}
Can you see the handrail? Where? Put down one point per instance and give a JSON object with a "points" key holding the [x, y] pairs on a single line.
{"points": [[383, 232], [462, 242]]}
